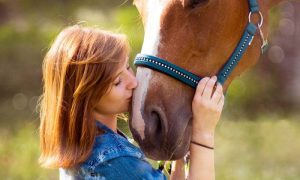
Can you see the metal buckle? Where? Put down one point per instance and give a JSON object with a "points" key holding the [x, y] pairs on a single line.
{"points": [[259, 25], [261, 18]]}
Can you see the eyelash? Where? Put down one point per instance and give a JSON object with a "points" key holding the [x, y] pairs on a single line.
{"points": [[119, 81]]}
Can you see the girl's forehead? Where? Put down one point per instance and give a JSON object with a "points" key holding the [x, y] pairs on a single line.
{"points": [[126, 61], [123, 64]]}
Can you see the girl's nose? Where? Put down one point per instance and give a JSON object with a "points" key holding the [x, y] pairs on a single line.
{"points": [[132, 82]]}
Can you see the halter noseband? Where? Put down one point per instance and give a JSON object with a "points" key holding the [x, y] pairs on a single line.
{"points": [[192, 79]]}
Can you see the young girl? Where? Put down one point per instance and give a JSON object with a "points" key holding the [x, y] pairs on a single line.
{"points": [[87, 83]]}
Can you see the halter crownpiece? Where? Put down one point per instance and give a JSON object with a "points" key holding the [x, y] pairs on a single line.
{"points": [[191, 79]]}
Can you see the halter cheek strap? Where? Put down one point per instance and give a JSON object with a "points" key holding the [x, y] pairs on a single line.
{"points": [[236, 56], [191, 79]]}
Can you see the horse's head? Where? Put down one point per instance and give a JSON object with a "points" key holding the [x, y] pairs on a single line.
{"points": [[199, 36]]}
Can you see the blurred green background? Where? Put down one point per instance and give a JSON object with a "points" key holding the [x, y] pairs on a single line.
{"points": [[258, 135]]}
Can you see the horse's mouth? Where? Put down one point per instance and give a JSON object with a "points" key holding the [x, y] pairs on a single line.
{"points": [[161, 144]]}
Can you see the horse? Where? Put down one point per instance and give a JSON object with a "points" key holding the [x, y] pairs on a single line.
{"points": [[197, 36]]}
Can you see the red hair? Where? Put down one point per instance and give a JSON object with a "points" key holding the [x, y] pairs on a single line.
{"points": [[78, 70]]}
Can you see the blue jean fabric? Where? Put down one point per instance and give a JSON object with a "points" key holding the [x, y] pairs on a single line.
{"points": [[113, 157]]}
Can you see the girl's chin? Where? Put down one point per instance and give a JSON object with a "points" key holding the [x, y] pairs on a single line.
{"points": [[126, 108]]}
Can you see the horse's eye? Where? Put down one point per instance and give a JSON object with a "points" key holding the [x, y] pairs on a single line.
{"points": [[194, 3]]}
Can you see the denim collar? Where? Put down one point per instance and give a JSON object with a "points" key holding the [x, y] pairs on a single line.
{"points": [[108, 130], [103, 127]]}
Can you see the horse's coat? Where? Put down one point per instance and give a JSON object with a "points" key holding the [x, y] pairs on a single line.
{"points": [[198, 38]]}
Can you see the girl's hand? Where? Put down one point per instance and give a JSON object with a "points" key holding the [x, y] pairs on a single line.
{"points": [[207, 107]]}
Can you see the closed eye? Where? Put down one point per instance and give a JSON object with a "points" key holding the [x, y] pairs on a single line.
{"points": [[118, 82]]}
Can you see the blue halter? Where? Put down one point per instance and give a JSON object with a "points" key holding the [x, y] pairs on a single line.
{"points": [[192, 79]]}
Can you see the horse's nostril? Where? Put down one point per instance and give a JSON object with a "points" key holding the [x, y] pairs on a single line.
{"points": [[156, 126], [157, 121]]}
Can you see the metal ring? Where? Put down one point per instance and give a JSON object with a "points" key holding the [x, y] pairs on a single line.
{"points": [[261, 18]]}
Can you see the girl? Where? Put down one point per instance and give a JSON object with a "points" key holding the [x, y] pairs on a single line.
{"points": [[87, 83]]}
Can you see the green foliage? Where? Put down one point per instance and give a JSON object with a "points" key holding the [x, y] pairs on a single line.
{"points": [[19, 152], [266, 149], [132, 26]]}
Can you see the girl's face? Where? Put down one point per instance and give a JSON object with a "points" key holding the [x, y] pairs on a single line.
{"points": [[118, 98]]}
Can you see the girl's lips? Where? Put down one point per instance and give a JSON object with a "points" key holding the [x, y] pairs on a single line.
{"points": [[130, 96]]}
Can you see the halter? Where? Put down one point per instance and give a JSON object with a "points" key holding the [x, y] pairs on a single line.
{"points": [[191, 79]]}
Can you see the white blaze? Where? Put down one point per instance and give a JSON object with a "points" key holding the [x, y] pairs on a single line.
{"points": [[140, 92], [152, 27], [150, 47]]}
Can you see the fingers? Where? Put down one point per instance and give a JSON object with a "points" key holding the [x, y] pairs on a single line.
{"points": [[209, 87], [217, 94], [201, 86], [221, 103], [205, 90], [207, 105]]}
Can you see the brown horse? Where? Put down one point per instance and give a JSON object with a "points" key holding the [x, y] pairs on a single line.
{"points": [[199, 36]]}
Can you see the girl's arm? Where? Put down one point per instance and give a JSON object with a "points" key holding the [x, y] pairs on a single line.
{"points": [[207, 107]]}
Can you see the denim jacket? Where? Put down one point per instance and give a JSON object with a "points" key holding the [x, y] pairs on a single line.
{"points": [[113, 157]]}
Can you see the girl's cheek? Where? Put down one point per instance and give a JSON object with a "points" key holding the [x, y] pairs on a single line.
{"points": [[118, 92]]}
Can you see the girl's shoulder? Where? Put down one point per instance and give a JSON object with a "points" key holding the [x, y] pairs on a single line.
{"points": [[114, 157]]}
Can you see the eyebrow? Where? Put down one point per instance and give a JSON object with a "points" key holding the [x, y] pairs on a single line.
{"points": [[127, 61], [119, 74]]}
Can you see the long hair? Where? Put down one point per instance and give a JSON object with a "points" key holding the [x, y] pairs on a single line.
{"points": [[78, 70]]}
